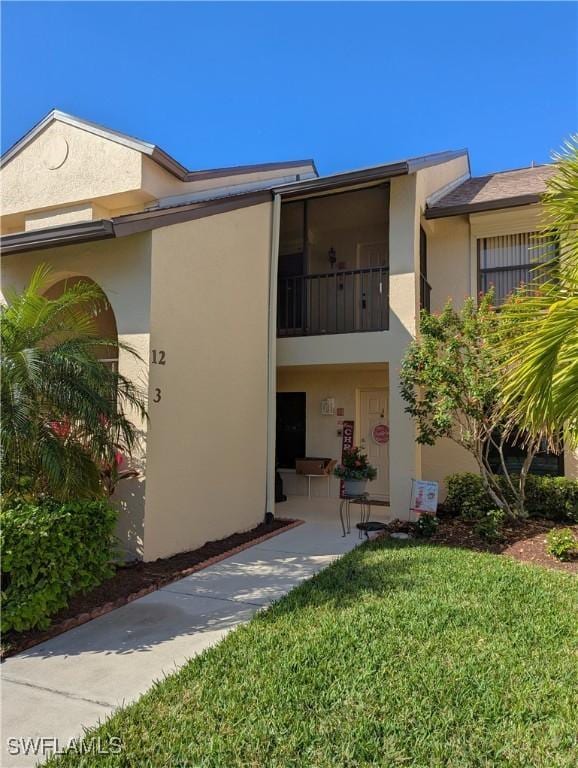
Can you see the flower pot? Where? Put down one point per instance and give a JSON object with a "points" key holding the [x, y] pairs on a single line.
{"points": [[354, 487]]}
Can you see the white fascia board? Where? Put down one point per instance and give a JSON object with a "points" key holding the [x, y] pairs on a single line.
{"points": [[231, 189], [57, 116], [443, 191]]}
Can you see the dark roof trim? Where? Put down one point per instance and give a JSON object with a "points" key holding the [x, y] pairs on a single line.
{"points": [[163, 217], [441, 212], [237, 170], [122, 226], [53, 236], [367, 175]]}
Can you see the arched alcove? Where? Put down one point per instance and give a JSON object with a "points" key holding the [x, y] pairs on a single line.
{"points": [[104, 317]]}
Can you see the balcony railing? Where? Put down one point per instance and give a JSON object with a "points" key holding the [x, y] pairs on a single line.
{"points": [[344, 301]]}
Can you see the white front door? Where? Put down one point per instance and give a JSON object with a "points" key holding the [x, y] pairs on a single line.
{"points": [[372, 414]]}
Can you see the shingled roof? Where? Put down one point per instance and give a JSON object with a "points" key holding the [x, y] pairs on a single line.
{"points": [[506, 189]]}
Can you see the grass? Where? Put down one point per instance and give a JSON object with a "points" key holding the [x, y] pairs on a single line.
{"points": [[399, 654]]}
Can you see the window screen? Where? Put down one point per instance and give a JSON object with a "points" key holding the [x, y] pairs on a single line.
{"points": [[507, 261]]}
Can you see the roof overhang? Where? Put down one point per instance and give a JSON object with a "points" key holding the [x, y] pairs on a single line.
{"points": [[444, 211], [365, 176], [129, 224]]}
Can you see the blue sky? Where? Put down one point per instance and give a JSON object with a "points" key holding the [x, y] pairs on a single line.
{"points": [[349, 84]]}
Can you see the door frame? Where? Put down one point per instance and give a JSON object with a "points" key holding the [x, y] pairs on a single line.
{"points": [[357, 430]]}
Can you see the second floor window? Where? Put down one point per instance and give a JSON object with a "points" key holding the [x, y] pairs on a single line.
{"points": [[508, 261]]}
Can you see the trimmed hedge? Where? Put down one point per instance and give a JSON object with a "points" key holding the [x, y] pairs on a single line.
{"points": [[50, 551], [555, 498]]}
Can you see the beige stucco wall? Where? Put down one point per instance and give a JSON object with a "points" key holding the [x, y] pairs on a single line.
{"points": [[122, 269], [571, 463], [432, 181], [208, 434], [93, 168], [449, 264], [449, 274], [322, 438]]}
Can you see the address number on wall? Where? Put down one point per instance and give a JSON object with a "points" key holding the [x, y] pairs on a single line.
{"points": [[158, 357]]}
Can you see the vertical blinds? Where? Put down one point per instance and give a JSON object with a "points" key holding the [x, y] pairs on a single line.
{"points": [[507, 261]]}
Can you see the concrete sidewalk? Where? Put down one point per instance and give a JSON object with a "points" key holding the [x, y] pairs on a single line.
{"points": [[76, 679]]}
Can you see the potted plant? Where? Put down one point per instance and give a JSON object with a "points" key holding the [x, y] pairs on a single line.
{"points": [[355, 471]]}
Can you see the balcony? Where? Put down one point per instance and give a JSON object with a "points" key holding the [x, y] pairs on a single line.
{"points": [[340, 301]]}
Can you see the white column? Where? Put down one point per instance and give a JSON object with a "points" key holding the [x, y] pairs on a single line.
{"points": [[404, 454]]}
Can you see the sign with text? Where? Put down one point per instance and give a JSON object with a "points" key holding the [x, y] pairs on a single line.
{"points": [[424, 497], [380, 434], [346, 445]]}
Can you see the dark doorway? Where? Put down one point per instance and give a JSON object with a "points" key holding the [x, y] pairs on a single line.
{"points": [[291, 409]]}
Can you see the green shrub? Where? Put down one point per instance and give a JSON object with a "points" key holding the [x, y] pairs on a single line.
{"points": [[561, 544], [555, 498], [489, 526], [50, 551], [426, 526], [466, 496]]}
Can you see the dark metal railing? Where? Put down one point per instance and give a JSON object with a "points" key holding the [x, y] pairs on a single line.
{"points": [[424, 293], [343, 301]]}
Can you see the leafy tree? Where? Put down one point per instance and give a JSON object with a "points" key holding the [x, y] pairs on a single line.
{"points": [[540, 385], [450, 382], [64, 413]]}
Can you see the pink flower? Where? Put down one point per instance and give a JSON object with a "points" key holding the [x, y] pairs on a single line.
{"points": [[60, 428]]}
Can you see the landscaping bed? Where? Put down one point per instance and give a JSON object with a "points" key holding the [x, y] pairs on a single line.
{"points": [[400, 653], [135, 580], [524, 540]]}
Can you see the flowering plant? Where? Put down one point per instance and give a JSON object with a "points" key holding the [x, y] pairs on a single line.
{"points": [[355, 466]]}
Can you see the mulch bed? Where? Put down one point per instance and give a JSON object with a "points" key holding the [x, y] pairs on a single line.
{"points": [[139, 579], [524, 541]]}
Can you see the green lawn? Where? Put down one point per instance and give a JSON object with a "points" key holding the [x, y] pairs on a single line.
{"points": [[400, 654]]}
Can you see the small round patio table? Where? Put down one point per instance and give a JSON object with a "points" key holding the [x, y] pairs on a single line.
{"points": [[363, 500]]}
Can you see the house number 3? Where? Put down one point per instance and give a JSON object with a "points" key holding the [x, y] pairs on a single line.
{"points": [[158, 396], [159, 357]]}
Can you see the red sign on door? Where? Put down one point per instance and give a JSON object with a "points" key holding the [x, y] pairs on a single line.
{"points": [[380, 434], [346, 445]]}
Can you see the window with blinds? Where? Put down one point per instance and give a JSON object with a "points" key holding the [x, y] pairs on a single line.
{"points": [[507, 261]]}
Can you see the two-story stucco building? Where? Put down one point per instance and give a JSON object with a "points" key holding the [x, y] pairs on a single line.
{"points": [[269, 305]]}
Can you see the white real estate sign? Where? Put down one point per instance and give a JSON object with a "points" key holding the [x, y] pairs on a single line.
{"points": [[424, 496]]}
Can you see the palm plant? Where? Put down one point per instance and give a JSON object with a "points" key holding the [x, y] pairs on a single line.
{"points": [[64, 413], [540, 388]]}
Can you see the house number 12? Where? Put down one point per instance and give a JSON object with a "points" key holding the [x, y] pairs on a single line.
{"points": [[159, 357]]}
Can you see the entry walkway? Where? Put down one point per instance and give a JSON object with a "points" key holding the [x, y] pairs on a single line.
{"points": [[77, 679]]}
